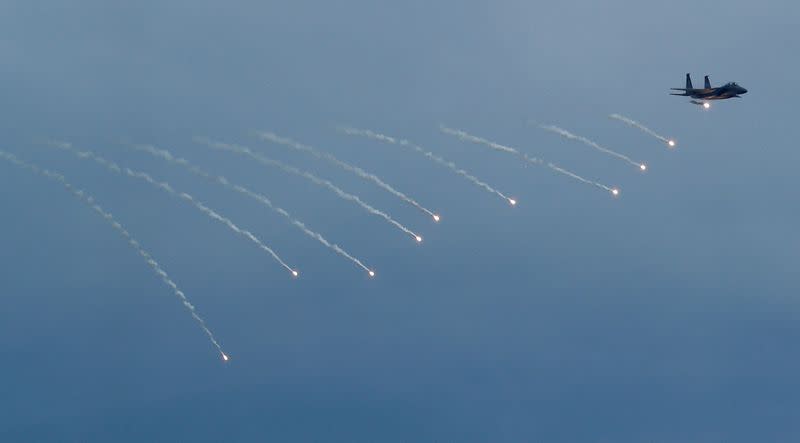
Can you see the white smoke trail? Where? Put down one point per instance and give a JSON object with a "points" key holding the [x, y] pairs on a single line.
{"points": [[614, 191], [243, 150], [643, 128], [346, 166], [533, 160], [111, 166], [90, 201], [450, 165], [474, 139], [166, 155], [586, 141]]}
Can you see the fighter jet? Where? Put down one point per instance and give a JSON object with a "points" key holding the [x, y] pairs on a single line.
{"points": [[728, 90]]}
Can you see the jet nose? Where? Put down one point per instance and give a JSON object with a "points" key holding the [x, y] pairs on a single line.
{"points": [[743, 91]]}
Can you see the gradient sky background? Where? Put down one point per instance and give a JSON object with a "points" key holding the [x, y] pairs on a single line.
{"points": [[669, 314]]}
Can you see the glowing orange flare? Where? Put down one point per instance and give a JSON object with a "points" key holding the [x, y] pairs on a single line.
{"points": [[615, 192], [512, 201], [419, 239], [706, 105], [435, 217], [671, 143], [225, 357], [372, 273], [295, 273], [643, 167]]}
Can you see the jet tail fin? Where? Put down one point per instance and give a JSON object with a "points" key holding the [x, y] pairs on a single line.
{"points": [[708, 83], [688, 81]]}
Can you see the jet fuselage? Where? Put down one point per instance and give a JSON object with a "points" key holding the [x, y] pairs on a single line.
{"points": [[729, 90]]}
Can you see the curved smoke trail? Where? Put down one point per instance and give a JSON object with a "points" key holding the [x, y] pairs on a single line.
{"points": [[533, 160], [564, 133], [448, 164], [477, 140], [90, 201], [247, 152], [346, 166], [111, 166], [643, 128], [166, 155]]}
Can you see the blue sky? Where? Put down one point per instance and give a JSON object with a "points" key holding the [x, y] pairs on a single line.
{"points": [[668, 314]]}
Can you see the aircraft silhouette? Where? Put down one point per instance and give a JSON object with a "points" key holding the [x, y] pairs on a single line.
{"points": [[728, 90]]}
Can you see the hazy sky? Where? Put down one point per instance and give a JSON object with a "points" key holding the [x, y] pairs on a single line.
{"points": [[668, 314]]}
